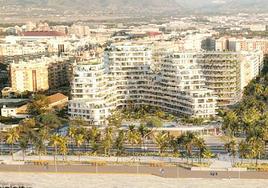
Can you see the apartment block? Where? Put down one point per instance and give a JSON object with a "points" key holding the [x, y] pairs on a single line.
{"points": [[242, 44], [127, 74], [227, 73], [27, 76], [40, 74]]}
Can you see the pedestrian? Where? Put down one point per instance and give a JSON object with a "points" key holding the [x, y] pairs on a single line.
{"points": [[162, 171]]}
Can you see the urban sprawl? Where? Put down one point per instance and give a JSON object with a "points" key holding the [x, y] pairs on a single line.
{"points": [[142, 86]]}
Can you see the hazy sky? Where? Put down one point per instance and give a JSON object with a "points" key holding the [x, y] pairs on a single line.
{"points": [[198, 3]]}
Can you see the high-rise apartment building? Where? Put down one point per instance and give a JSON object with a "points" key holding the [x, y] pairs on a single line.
{"points": [[127, 74], [25, 76], [40, 74], [227, 73]]}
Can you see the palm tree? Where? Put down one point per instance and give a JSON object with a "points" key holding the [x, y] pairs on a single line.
{"points": [[188, 140], [257, 147], [231, 148], [107, 141], [79, 141], [258, 89], [133, 137], [11, 138], [94, 135], [63, 148], [23, 142], [2, 140], [161, 139], [200, 144], [144, 132], [250, 118], [55, 141], [39, 146], [174, 145], [243, 150], [230, 121], [44, 136], [207, 154], [71, 134], [119, 142], [115, 119]]}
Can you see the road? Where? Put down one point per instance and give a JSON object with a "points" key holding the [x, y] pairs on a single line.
{"points": [[168, 172]]}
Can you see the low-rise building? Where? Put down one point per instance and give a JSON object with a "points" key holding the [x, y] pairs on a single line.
{"points": [[57, 100]]}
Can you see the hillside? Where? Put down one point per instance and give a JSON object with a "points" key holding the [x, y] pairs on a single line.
{"points": [[100, 5], [224, 6], [157, 6]]}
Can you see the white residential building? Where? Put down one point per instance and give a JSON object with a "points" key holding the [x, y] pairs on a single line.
{"points": [[127, 74]]}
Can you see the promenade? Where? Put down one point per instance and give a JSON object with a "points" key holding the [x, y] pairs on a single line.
{"points": [[168, 168], [164, 171], [67, 180]]}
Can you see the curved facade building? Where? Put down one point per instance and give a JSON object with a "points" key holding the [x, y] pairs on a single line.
{"points": [[128, 74]]}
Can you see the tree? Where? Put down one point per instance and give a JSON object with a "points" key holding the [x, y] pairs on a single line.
{"points": [[174, 145], [250, 118], [43, 134], [243, 150], [257, 148], [207, 154], [71, 134], [161, 139], [23, 142], [94, 135], [119, 142], [39, 105], [133, 137], [107, 141], [28, 123], [39, 147], [49, 120], [188, 142], [79, 141], [55, 141], [63, 149], [231, 148], [144, 132], [115, 119], [153, 121], [11, 138], [230, 122], [200, 144]]}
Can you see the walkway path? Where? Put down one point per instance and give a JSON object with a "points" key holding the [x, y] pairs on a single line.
{"points": [[168, 172], [47, 180]]}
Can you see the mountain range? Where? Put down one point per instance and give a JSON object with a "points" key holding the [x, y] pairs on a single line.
{"points": [[224, 6], [148, 5], [98, 5]]}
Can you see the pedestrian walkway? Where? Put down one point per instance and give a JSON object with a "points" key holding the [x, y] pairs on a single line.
{"points": [[218, 164]]}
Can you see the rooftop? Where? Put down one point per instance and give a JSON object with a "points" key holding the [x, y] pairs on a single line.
{"points": [[56, 97], [42, 34]]}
